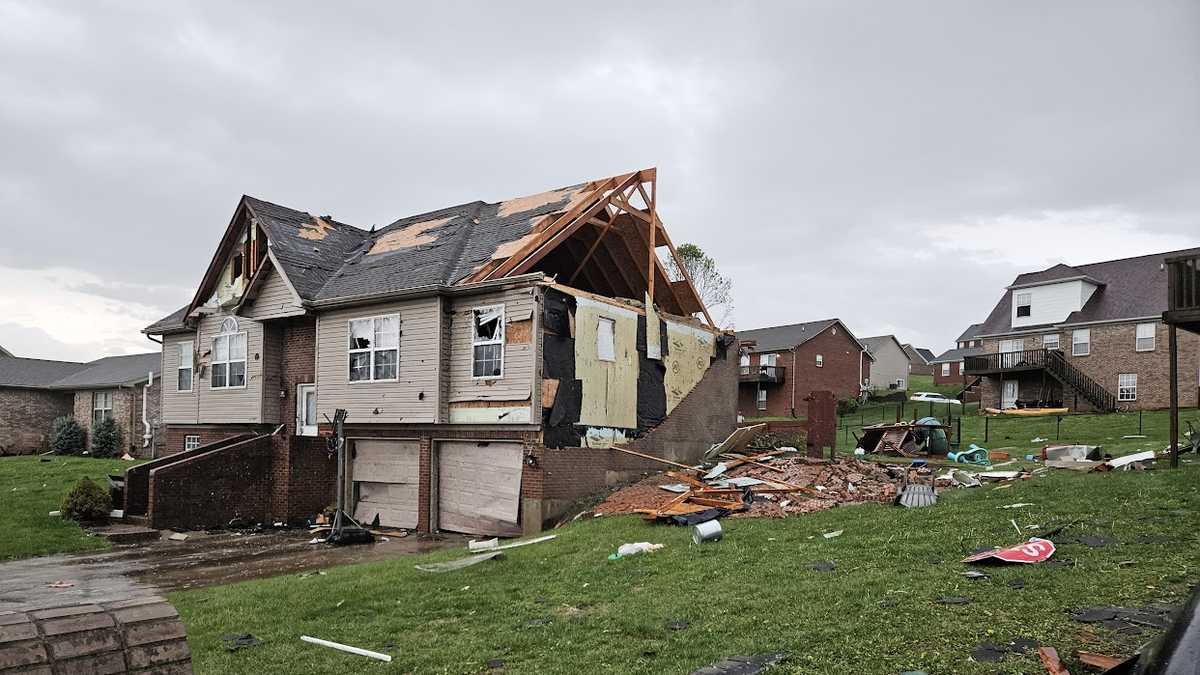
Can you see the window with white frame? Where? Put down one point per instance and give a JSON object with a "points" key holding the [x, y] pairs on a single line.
{"points": [[762, 399], [945, 369], [229, 357], [1145, 337], [374, 348], [487, 341], [744, 360], [960, 367], [606, 347], [183, 380], [1050, 341], [1127, 387], [820, 361], [101, 406], [1024, 304], [191, 442], [1081, 342]]}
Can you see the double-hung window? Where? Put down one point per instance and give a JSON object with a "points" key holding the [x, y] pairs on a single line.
{"points": [[1127, 387], [945, 369], [184, 372], [374, 348], [762, 399], [487, 342], [229, 357], [1024, 304], [101, 406], [1081, 342], [820, 361], [1145, 337], [1050, 341]]}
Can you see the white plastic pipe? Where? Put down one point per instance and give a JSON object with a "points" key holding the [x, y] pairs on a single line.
{"points": [[347, 648], [148, 435]]}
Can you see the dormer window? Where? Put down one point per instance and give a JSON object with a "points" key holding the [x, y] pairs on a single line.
{"points": [[237, 266], [1024, 304]]}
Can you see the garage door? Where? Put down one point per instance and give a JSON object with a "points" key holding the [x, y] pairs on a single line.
{"points": [[386, 477], [479, 487]]}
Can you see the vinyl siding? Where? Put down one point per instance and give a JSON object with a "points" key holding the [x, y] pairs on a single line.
{"points": [[1051, 303], [178, 408], [231, 406], [516, 381], [275, 300], [414, 398]]}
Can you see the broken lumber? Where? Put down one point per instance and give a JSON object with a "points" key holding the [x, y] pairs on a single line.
{"points": [[635, 453]]}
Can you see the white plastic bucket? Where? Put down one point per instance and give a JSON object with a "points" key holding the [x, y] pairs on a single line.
{"points": [[710, 531]]}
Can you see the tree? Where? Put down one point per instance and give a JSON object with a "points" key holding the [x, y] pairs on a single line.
{"points": [[106, 438], [715, 289], [67, 437]]}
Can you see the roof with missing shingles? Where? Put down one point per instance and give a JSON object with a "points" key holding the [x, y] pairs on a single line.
{"points": [[327, 260]]}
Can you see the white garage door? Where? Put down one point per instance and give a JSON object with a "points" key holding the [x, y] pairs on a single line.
{"points": [[479, 487], [386, 477]]}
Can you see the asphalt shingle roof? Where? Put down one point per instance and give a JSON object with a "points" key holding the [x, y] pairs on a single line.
{"points": [[952, 355], [925, 354], [34, 373], [969, 333], [112, 371], [785, 337], [1132, 288]]}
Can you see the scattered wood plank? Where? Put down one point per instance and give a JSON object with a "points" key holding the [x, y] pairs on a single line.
{"points": [[635, 453]]}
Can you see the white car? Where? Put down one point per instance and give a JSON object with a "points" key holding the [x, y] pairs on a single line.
{"points": [[932, 397]]}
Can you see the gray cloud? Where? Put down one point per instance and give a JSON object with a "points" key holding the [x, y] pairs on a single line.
{"points": [[820, 151]]}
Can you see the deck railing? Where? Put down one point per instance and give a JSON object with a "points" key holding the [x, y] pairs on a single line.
{"points": [[1183, 283], [1053, 362], [768, 374], [982, 364]]}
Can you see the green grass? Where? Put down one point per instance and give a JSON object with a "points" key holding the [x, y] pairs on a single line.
{"points": [[29, 489], [562, 607]]}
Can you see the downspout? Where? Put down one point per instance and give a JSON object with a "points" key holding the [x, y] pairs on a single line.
{"points": [[861, 355], [793, 378], [148, 436]]}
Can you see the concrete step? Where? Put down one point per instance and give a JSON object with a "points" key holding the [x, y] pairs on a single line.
{"points": [[126, 533]]}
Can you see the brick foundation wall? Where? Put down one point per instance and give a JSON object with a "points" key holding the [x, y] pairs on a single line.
{"points": [[1113, 352], [210, 489], [28, 417]]}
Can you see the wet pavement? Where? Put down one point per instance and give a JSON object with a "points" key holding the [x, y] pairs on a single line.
{"points": [[203, 559]]}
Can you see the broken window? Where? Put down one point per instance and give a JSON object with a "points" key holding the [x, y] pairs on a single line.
{"points": [[374, 348], [101, 406], [488, 341], [229, 357], [184, 379], [606, 348], [237, 268]]}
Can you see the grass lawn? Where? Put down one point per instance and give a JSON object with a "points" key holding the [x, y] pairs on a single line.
{"points": [[29, 489], [562, 607]]}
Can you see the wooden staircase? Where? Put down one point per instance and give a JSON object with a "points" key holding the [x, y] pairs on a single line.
{"points": [[1060, 369]]}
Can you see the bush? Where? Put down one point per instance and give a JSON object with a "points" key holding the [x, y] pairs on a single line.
{"points": [[106, 438], [87, 502], [847, 406], [67, 437], [889, 396]]}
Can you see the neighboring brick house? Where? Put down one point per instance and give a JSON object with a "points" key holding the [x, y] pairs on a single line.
{"points": [[918, 360], [33, 392], [1087, 337], [780, 365], [28, 406], [948, 366], [125, 389], [488, 355], [889, 363]]}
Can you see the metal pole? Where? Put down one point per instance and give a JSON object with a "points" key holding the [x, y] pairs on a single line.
{"points": [[1173, 340], [1058, 429], [986, 423], [1139, 422]]}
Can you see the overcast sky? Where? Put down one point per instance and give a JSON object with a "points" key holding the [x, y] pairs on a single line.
{"points": [[894, 164]]}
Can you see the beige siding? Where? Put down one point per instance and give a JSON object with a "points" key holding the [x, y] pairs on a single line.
{"points": [[414, 398], [516, 380], [177, 407], [230, 406], [275, 299]]}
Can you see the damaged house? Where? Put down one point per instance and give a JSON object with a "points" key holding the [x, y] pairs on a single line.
{"points": [[488, 355]]}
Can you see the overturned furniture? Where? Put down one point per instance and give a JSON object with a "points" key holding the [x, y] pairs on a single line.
{"points": [[906, 439]]}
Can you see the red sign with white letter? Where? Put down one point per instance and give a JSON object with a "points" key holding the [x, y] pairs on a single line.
{"points": [[1033, 551]]}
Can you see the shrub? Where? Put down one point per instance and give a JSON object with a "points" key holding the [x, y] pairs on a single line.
{"points": [[87, 502], [847, 406], [106, 438], [889, 396], [67, 436]]}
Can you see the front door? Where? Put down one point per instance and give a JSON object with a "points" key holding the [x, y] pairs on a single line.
{"points": [[306, 410], [1008, 397]]}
